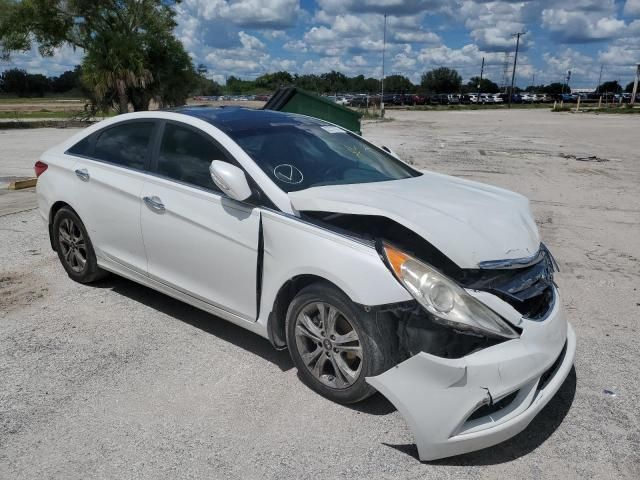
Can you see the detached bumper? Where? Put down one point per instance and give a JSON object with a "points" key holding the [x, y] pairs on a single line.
{"points": [[451, 405]]}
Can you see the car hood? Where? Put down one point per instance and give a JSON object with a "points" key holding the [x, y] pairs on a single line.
{"points": [[467, 221]]}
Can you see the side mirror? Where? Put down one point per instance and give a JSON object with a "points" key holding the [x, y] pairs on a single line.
{"points": [[230, 179]]}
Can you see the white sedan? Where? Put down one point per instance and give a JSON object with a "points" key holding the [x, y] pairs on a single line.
{"points": [[433, 290]]}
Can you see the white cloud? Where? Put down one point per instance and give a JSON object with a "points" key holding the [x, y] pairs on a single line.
{"points": [[63, 59], [572, 26], [296, 46], [632, 8], [416, 37], [250, 42], [248, 13], [392, 7]]}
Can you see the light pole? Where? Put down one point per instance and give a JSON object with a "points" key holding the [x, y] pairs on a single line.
{"points": [[480, 82], [634, 92], [384, 44], [515, 62]]}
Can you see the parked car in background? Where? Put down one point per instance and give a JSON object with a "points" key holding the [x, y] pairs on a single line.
{"points": [[497, 98], [485, 98], [433, 290], [420, 99], [453, 99]]}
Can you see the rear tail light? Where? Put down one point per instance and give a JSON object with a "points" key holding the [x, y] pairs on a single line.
{"points": [[40, 168]]}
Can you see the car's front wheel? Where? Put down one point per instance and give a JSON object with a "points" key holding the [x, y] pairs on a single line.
{"points": [[74, 247], [335, 344]]}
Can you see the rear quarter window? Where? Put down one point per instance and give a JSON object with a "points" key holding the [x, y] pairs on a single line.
{"points": [[83, 147]]}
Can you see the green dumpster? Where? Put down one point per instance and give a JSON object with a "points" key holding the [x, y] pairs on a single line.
{"points": [[295, 100]]}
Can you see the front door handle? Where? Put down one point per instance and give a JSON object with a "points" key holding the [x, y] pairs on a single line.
{"points": [[154, 203], [82, 174]]}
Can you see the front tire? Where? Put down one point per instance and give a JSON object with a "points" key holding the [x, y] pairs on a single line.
{"points": [[335, 344], [74, 247]]}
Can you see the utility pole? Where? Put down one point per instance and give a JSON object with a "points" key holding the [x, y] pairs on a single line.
{"points": [[515, 62], [480, 82], [504, 85], [566, 81], [599, 79], [384, 44], [634, 92], [533, 81]]}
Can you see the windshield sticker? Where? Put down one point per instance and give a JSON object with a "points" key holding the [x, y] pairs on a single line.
{"points": [[332, 129], [288, 174]]}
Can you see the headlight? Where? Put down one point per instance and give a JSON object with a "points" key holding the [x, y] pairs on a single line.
{"points": [[449, 303]]}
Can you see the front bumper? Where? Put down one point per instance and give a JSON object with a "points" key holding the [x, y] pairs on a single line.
{"points": [[442, 399]]}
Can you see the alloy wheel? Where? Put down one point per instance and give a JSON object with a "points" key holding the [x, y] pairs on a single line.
{"points": [[328, 345], [72, 245]]}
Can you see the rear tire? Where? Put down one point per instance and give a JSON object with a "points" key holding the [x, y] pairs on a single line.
{"points": [[74, 247], [335, 344]]}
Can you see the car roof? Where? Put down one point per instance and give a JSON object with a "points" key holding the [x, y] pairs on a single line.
{"points": [[234, 119]]}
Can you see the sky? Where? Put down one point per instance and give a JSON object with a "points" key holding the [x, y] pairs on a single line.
{"points": [[247, 38]]}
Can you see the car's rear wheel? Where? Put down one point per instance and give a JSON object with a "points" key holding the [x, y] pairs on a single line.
{"points": [[74, 247], [335, 344]]}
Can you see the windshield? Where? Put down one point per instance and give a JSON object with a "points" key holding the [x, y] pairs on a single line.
{"points": [[299, 156]]}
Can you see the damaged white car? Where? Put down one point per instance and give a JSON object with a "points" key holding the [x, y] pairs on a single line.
{"points": [[432, 290]]}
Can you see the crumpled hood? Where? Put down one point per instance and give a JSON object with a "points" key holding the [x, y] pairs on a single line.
{"points": [[469, 222]]}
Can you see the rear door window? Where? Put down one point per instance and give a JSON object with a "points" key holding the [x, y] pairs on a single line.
{"points": [[126, 144], [185, 155]]}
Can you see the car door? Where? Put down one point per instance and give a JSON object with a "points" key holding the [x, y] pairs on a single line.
{"points": [[109, 175], [197, 240]]}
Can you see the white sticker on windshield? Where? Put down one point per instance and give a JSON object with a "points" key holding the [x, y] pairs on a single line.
{"points": [[332, 129]]}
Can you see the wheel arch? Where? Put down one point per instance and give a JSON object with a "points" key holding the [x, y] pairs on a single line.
{"points": [[287, 292], [55, 208]]}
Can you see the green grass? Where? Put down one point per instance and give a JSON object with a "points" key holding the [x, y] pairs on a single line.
{"points": [[5, 99], [17, 115]]}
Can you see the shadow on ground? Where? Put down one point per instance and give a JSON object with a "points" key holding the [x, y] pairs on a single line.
{"points": [[540, 429], [206, 322], [375, 405]]}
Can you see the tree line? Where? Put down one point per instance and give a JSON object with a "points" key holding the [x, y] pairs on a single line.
{"points": [[132, 58]]}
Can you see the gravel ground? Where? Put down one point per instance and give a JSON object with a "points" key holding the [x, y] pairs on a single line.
{"points": [[117, 381]]}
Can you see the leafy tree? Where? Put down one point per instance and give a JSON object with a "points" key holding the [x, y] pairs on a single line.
{"points": [[441, 80], [15, 81], [273, 81], [334, 82], [629, 87], [24, 84], [610, 86], [556, 88], [486, 85], [534, 88], [121, 39], [398, 84], [69, 80]]}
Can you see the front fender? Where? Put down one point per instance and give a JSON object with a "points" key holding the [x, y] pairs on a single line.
{"points": [[293, 247]]}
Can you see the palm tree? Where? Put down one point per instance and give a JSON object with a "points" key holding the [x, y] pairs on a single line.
{"points": [[110, 70]]}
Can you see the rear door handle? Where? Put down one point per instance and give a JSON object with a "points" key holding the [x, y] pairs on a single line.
{"points": [[82, 174], [154, 203]]}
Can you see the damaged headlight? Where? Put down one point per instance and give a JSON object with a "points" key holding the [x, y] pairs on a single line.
{"points": [[449, 303]]}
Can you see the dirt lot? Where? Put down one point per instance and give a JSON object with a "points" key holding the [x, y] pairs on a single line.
{"points": [[117, 381]]}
